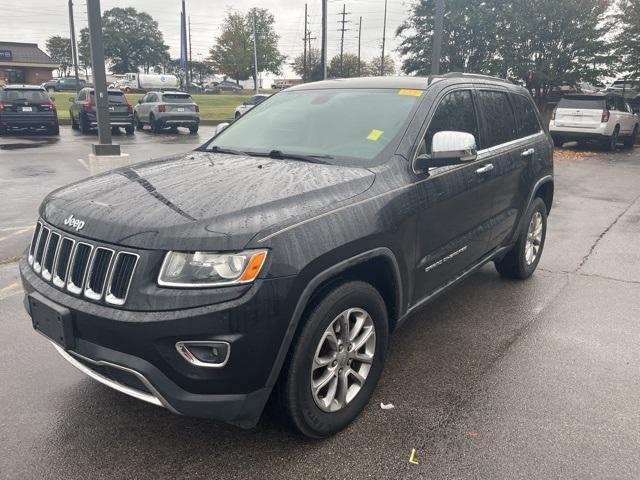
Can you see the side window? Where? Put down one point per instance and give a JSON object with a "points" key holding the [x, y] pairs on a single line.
{"points": [[526, 114], [499, 120], [145, 98], [620, 104], [81, 95], [455, 113], [611, 103]]}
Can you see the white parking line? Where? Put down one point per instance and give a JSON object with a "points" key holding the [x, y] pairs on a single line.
{"points": [[10, 290], [15, 233], [83, 163]]}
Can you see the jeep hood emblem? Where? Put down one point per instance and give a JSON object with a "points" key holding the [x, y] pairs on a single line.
{"points": [[74, 223]]}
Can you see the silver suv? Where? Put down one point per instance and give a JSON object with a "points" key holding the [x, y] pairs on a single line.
{"points": [[162, 110]]}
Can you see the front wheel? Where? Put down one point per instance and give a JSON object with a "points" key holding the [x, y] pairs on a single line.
{"points": [[523, 258], [335, 361]]}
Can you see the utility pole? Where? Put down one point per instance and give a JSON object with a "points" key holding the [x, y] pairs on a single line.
{"points": [[436, 42], [359, 41], [342, 30], [384, 37], [323, 61], [183, 43], [104, 146], [74, 47], [255, 53], [190, 59], [304, 41]]}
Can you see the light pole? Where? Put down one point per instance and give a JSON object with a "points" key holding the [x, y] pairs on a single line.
{"points": [[437, 37]]}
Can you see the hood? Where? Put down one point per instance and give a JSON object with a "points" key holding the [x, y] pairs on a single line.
{"points": [[200, 200]]}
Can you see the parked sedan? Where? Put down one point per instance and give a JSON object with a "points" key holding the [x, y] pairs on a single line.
{"points": [[27, 107], [225, 86], [83, 111], [249, 104], [167, 110], [63, 85]]}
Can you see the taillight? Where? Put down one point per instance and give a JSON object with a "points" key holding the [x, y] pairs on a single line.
{"points": [[553, 115], [5, 105], [52, 106], [129, 108], [197, 108], [162, 108], [605, 116], [86, 106]]}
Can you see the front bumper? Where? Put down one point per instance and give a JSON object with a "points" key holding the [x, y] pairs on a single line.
{"points": [[134, 352]]}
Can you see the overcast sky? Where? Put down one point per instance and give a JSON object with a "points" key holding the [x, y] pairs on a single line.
{"points": [[37, 20]]}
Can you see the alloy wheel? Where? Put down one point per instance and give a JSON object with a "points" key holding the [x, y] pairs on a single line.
{"points": [[534, 238], [343, 359]]}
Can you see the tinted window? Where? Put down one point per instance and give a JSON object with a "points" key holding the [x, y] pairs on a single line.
{"points": [[584, 103], [527, 118], [455, 113], [611, 103], [620, 106], [176, 98], [500, 122], [24, 95]]}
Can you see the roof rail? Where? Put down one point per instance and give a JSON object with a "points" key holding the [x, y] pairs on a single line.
{"points": [[474, 75]]}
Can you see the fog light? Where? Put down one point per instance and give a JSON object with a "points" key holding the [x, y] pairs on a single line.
{"points": [[205, 353]]}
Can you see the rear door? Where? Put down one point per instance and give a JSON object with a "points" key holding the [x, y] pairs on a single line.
{"points": [[580, 112], [453, 224]]}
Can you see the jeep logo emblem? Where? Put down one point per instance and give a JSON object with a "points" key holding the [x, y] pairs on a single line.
{"points": [[74, 223]]}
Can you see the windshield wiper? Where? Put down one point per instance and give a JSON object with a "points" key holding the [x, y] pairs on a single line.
{"points": [[231, 151], [280, 155]]}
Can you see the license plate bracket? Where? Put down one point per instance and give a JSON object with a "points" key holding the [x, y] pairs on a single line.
{"points": [[51, 320]]}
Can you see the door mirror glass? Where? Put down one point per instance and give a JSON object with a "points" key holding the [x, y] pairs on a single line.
{"points": [[139, 100], [448, 148], [220, 127]]}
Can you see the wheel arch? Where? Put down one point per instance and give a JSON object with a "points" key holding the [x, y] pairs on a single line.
{"points": [[386, 279]]}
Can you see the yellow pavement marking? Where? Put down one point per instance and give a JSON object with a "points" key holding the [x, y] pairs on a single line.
{"points": [[10, 290], [412, 458], [16, 233], [10, 229]]}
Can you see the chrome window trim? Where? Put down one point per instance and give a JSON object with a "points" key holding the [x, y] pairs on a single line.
{"points": [[72, 287], [184, 352], [57, 281], [155, 398], [37, 267], [32, 247], [46, 274], [109, 297], [88, 292]]}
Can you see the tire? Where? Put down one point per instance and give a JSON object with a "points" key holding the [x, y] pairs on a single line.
{"points": [[138, 123], [130, 129], [155, 127], [515, 263], [84, 124], [74, 124], [612, 141], [295, 402], [631, 141], [174, 129], [115, 130], [193, 130], [53, 130]]}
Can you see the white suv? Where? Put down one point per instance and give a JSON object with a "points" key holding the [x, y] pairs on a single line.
{"points": [[603, 117]]}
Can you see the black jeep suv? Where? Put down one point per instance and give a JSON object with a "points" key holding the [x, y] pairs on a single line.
{"points": [[276, 259]]}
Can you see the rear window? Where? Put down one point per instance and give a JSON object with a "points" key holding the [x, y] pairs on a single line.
{"points": [[583, 103], [24, 95], [115, 98], [175, 98]]}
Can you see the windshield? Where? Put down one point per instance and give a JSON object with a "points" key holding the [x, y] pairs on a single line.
{"points": [[176, 98], [24, 95], [346, 127]]}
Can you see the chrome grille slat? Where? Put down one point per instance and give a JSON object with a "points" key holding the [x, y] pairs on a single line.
{"points": [[81, 267]]}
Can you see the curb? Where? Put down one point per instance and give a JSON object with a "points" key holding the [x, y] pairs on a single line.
{"points": [[208, 122]]}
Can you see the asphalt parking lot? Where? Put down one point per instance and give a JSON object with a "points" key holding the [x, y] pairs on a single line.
{"points": [[496, 379]]}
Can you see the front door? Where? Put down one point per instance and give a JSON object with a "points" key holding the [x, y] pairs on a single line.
{"points": [[454, 223]]}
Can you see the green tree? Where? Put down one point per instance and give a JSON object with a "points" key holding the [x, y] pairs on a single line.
{"points": [[201, 70], [84, 51], [132, 40], [232, 53], [469, 40], [314, 66], [627, 39], [59, 49], [375, 66], [349, 66]]}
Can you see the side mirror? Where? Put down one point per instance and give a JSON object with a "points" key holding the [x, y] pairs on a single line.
{"points": [[220, 127], [72, 99], [139, 100], [448, 148]]}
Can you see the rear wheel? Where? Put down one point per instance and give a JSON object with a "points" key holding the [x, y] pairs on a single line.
{"points": [[193, 130], [55, 130], [74, 124], [335, 361], [129, 129], [631, 141], [155, 126], [85, 127], [138, 122], [612, 142], [523, 258]]}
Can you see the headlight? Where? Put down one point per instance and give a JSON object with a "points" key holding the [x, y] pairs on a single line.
{"points": [[208, 269]]}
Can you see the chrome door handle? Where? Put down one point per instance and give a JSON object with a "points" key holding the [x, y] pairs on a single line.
{"points": [[485, 169], [528, 153]]}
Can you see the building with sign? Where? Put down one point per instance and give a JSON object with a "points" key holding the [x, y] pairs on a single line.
{"points": [[24, 63]]}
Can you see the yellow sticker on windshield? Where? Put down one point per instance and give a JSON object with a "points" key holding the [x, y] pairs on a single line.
{"points": [[410, 93], [374, 135]]}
